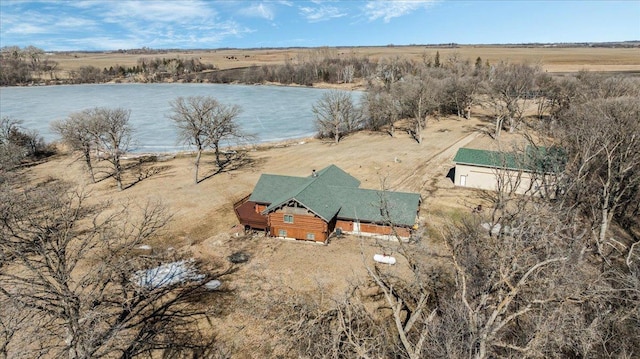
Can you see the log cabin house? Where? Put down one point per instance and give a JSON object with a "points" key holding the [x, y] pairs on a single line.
{"points": [[327, 201]]}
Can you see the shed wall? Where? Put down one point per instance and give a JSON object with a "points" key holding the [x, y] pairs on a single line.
{"points": [[486, 178]]}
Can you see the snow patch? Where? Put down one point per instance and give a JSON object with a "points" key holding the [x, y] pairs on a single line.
{"points": [[167, 274]]}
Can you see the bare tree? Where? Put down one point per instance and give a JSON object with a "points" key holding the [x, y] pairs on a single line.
{"points": [[73, 268], [602, 138], [511, 86], [336, 115], [78, 132], [347, 73], [410, 315], [419, 99], [34, 56], [382, 110], [391, 70], [10, 152], [204, 122], [514, 265], [459, 91], [343, 327], [18, 144], [112, 134]]}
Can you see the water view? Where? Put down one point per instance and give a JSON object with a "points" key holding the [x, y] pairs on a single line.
{"points": [[271, 113]]}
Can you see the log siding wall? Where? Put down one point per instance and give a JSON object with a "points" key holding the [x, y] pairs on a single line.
{"points": [[302, 225]]}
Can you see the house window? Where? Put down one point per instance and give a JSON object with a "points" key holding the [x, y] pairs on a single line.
{"points": [[311, 236], [282, 233], [288, 218]]}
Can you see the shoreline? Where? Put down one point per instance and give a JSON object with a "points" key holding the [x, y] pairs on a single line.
{"points": [[354, 86], [261, 146]]}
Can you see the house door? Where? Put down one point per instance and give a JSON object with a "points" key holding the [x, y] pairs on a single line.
{"points": [[356, 227], [463, 181]]}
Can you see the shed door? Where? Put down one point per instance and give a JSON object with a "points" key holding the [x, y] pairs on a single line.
{"points": [[356, 226], [463, 181]]}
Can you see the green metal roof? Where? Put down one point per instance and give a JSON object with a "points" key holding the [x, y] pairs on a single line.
{"points": [[312, 193], [270, 187], [334, 192], [484, 158], [367, 205], [540, 159]]}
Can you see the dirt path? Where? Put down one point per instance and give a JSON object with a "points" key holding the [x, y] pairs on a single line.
{"points": [[434, 168]]}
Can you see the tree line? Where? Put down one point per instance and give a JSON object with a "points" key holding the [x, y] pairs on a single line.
{"points": [[515, 95], [23, 66]]}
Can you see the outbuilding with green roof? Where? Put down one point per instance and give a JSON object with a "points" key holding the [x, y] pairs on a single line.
{"points": [[532, 172]]}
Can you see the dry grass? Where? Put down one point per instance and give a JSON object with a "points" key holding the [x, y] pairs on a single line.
{"points": [[204, 223], [552, 59]]}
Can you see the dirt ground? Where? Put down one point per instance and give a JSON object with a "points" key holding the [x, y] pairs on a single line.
{"points": [[204, 210], [552, 59], [204, 225]]}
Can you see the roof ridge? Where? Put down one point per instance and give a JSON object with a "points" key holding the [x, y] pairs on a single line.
{"points": [[311, 193]]}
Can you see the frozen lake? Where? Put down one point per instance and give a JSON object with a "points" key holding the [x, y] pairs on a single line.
{"points": [[271, 113]]}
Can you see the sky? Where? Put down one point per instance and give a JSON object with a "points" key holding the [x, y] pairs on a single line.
{"points": [[97, 25]]}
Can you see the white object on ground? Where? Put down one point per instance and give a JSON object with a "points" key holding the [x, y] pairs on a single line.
{"points": [[382, 258], [213, 284], [494, 229]]}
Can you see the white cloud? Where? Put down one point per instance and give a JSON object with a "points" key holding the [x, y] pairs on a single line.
{"points": [[26, 29], [107, 24], [261, 10], [27, 23], [388, 9], [99, 42], [180, 24], [159, 11], [74, 22], [86, 4], [321, 13]]}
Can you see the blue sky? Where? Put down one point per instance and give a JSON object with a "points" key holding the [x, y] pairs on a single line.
{"points": [[198, 24]]}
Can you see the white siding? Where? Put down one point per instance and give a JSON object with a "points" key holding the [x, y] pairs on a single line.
{"points": [[486, 178]]}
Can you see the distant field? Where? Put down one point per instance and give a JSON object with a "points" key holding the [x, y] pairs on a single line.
{"points": [[552, 59]]}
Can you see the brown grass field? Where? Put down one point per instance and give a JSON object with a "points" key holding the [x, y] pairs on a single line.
{"points": [[204, 225], [552, 59]]}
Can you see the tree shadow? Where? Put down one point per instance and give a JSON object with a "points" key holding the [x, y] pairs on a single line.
{"points": [[150, 172], [234, 160], [101, 174], [143, 168]]}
